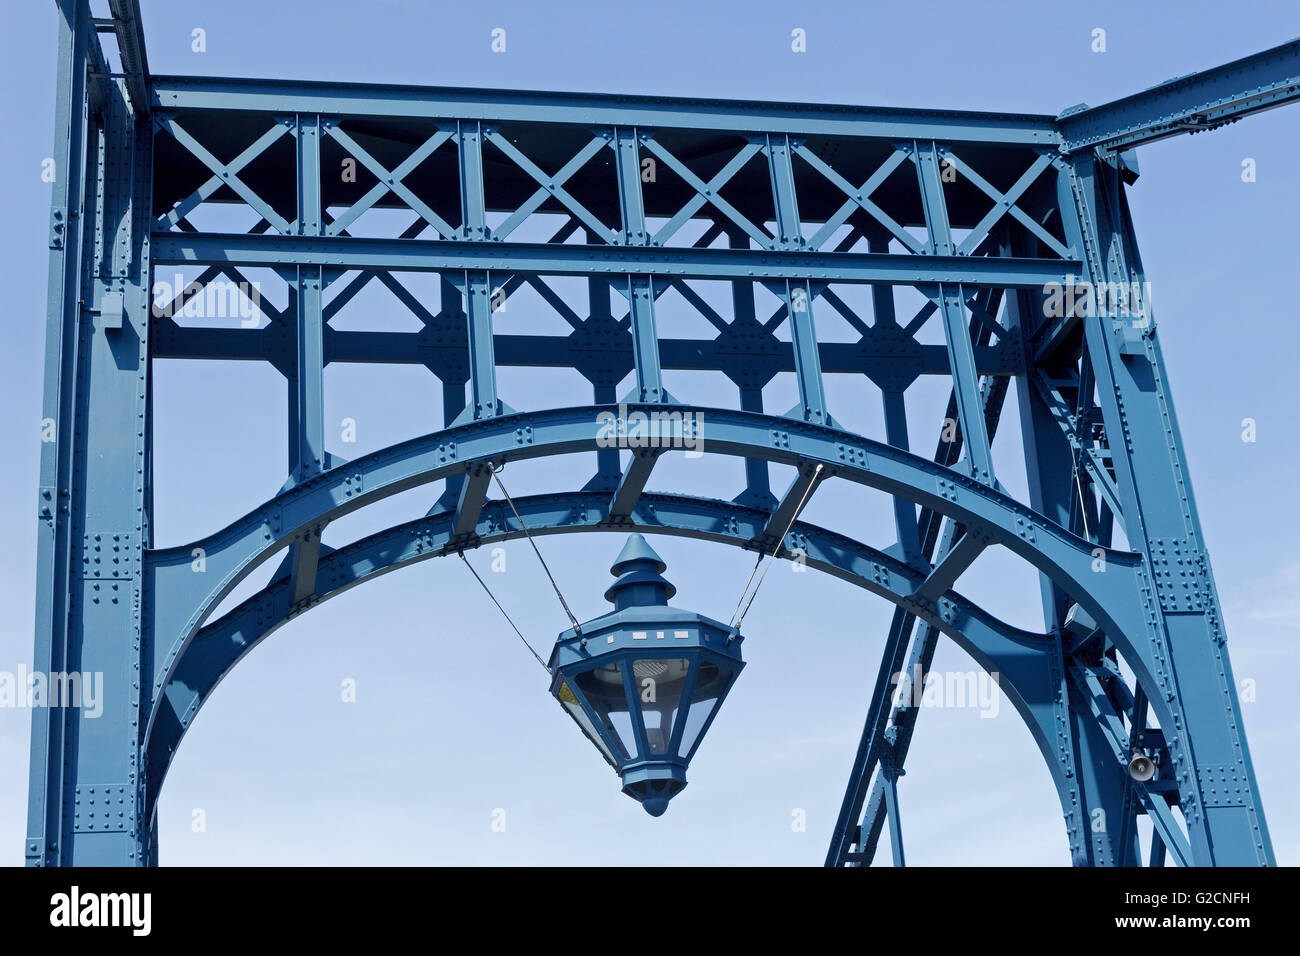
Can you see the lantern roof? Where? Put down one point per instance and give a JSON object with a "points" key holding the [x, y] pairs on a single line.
{"points": [[640, 581]]}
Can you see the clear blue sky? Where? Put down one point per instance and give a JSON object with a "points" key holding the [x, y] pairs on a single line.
{"points": [[452, 719]]}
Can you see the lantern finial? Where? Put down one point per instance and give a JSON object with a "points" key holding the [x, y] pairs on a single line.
{"points": [[639, 571]]}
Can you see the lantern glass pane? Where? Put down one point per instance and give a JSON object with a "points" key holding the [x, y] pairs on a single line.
{"points": [[710, 685], [575, 710], [660, 682], [603, 688]]}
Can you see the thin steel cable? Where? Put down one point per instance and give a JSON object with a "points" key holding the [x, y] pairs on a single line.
{"points": [[577, 629], [779, 542], [1083, 507], [757, 561], [536, 656]]}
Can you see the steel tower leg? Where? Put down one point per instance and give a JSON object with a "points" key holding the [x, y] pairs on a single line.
{"points": [[1181, 660], [85, 797]]}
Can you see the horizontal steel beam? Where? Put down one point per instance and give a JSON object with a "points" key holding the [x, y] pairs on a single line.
{"points": [[172, 341], [429, 255], [598, 109]]}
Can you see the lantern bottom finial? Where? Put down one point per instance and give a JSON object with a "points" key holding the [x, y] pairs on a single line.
{"points": [[653, 785], [655, 806]]}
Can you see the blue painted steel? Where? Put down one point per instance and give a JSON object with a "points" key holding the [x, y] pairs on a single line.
{"points": [[418, 255], [45, 813], [87, 794], [1189, 104], [596, 109], [801, 199]]}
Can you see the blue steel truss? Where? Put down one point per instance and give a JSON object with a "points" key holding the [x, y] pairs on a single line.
{"points": [[987, 214]]}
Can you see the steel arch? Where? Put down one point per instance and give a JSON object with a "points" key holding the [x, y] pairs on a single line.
{"points": [[1027, 665], [230, 554], [180, 599]]}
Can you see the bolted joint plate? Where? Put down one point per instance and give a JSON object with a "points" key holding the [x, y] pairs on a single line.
{"points": [[109, 555], [1222, 786], [104, 808], [1178, 569]]}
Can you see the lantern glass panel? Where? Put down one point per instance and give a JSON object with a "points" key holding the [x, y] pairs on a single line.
{"points": [[603, 688], [711, 683], [572, 705], [660, 684]]}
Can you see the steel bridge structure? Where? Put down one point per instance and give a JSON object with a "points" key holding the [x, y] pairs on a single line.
{"points": [[802, 213]]}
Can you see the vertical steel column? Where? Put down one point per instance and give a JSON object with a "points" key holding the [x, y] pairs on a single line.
{"points": [[600, 314], [895, 410], [307, 455], [54, 542], [482, 360], [640, 288], [307, 389], [307, 418], [1184, 644], [645, 340], [86, 800], [797, 294], [478, 293], [758, 476], [453, 392]]}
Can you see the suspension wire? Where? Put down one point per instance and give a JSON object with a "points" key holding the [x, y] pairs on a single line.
{"points": [[577, 629], [771, 558], [503, 611], [1083, 506], [757, 561], [1076, 445]]}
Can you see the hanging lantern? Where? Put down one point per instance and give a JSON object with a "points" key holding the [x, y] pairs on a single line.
{"points": [[645, 681]]}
